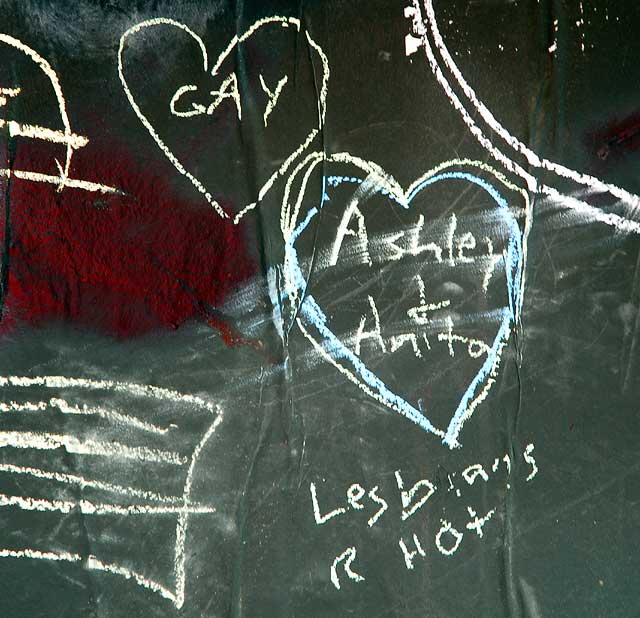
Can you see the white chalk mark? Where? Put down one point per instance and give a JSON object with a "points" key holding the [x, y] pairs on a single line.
{"points": [[285, 21], [40, 555], [554, 45], [398, 250], [62, 108], [79, 481], [73, 183], [349, 555], [36, 132], [478, 523], [288, 218], [130, 388], [349, 374], [343, 230], [373, 494], [14, 406], [376, 333], [493, 262], [410, 555], [28, 503], [385, 181], [182, 506], [447, 528], [475, 347], [222, 93], [322, 99], [196, 108], [92, 563], [319, 518], [10, 92], [271, 96], [452, 233], [52, 441], [448, 336], [283, 168], [355, 493], [507, 461], [457, 104], [97, 565], [591, 212], [471, 473], [532, 158], [408, 496], [157, 21], [411, 44], [416, 249], [531, 461], [179, 561], [467, 241], [397, 341], [418, 313], [66, 136], [66, 408], [117, 417], [228, 90]]}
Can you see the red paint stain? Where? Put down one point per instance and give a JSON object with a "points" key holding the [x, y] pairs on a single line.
{"points": [[120, 264], [617, 137]]}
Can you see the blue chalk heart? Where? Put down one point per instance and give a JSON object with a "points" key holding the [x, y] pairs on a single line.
{"points": [[311, 315]]}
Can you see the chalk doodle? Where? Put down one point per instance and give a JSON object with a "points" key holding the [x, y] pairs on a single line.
{"points": [[312, 319], [228, 89], [66, 137], [405, 296], [441, 62], [140, 501], [313, 322]]}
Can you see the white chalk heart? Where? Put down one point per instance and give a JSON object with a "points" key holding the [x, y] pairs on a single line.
{"points": [[227, 89]]}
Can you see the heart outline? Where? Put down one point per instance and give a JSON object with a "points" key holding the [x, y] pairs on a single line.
{"points": [[285, 21], [332, 349]]}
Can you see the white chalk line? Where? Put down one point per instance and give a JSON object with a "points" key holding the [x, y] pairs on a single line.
{"points": [[86, 507], [92, 563], [53, 78], [179, 562], [184, 509], [60, 181], [147, 125], [272, 96], [79, 481], [37, 132], [53, 441], [66, 408], [532, 158], [130, 388], [595, 184]]}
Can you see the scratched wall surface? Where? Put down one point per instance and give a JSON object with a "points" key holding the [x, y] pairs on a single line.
{"points": [[319, 309]]}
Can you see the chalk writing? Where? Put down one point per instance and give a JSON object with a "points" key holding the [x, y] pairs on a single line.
{"points": [[448, 537]]}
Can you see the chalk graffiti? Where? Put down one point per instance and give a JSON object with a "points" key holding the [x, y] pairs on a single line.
{"points": [[227, 90], [448, 535], [66, 137], [313, 322], [153, 503]]}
